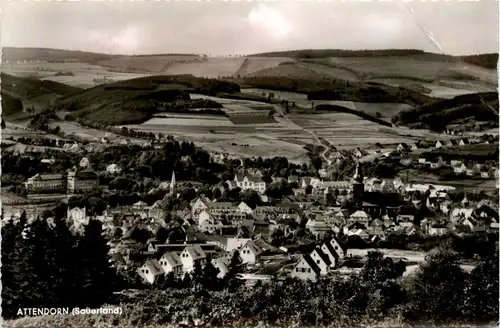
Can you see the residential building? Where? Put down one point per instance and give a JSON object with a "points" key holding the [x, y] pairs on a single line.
{"points": [[190, 256], [250, 252], [170, 262], [322, 260], [306, 269], [150, 271]]}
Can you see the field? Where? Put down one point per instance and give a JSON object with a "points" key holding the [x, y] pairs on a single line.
{"points": [[83, 74]]}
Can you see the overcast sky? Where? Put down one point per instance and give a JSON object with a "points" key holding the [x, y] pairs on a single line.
{"points": [[218, 27]]}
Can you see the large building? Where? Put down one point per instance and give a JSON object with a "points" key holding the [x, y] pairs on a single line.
{"points": [[75, 181], [249, 182]]}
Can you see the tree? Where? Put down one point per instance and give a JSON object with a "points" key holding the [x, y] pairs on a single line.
{"points": [[251, 198], [436, 291], [232, 279], [95, 277]]}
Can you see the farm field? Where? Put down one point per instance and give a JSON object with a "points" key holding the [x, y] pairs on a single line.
{"points": [[417, 176], [236, 105], [147, 64], [386, 109], [211, 67], [83, 77]]}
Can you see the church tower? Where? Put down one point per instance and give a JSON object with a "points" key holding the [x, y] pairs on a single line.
{"points": [[358, 188], [173, 190]]}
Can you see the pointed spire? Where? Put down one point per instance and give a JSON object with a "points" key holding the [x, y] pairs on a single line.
{"points": [[358, 174]]}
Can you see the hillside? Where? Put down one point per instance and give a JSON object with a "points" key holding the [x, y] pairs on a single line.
{"points": [[482, 107], [27, 88], [136, 100], [482, 60]]}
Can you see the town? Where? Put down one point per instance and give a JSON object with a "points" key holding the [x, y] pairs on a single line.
{"points": [[301, 225]]}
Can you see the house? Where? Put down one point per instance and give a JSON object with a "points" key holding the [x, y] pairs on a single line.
{"points": [[360, 216], [437, 229], [406, 160], [245, 208], [199, 205], [317, 228], [439, 144], [250, 252], [150, 271], [463, 142], [190, 256], [322, 260], [234, 243], [413, 146], [306, 269], [459, 168], [170, 262], [333, 247], [249, 182]]}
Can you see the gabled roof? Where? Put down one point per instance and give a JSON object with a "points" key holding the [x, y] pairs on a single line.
{"points": [[360, 213], [331, 250], [195, 251], [252, 246], [155, 267], [173, 259], [309, 261], [323, 256]]}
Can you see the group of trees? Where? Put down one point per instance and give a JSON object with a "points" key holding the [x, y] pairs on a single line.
{"points": [[439, 291], [44, 265]]}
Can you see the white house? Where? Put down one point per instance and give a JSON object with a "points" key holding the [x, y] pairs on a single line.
{"points": [[459, 168], [170, 262], [235, 243], [306, 269], [322, 260], [439, 144], [250, 253], [249, 182], [245, 208], [190, 256], [150, 271]]}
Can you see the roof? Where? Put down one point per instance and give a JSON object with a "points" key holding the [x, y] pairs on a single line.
{"points": [[331, 250], [195, 251], [86, 174], [173, 259], [253, 247], [155, 267], [360, 214], [307, 258], [140, 203], [323, 256], [220, 205], [48, 176]]}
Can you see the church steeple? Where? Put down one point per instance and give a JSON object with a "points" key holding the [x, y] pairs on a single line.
{"points": [[172, 184], [358, 174]]}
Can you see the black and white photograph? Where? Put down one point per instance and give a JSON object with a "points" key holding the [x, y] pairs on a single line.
{"points": [[255, 164]]}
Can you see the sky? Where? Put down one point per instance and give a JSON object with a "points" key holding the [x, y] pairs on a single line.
{"points": [[246, 27]]}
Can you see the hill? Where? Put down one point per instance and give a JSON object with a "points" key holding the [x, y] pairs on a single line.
{"points": [[136, 100], [482, 107], [482, 60], [20, 93], [29, 88]]}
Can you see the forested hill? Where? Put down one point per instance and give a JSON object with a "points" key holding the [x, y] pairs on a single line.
{"points": [[436, 116]]}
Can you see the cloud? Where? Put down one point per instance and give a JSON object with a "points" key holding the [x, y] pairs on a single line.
{"points": [[248, 27]]}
